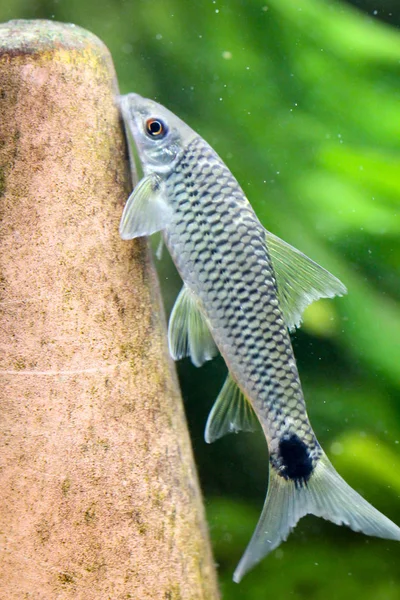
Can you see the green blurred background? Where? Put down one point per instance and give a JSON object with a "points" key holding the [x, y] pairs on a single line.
{"points": [[301, 99]]}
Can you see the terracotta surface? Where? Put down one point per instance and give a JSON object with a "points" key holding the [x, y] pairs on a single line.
{"points": [[99, 497]]}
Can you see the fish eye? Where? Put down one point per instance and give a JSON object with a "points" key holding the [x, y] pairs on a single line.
{"points": [[155, 128]]}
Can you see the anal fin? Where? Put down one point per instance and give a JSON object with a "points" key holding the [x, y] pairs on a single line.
{"points": [[231, 413]]}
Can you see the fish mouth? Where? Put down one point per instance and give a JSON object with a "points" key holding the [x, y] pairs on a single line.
{"points": [[128, 115], [124, 104], [131, 132]]}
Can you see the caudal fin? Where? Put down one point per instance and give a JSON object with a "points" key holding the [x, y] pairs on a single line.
{"points": [[325, 495]]}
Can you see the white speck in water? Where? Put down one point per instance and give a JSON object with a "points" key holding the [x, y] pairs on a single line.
{"points": [[217, 10], [220, 99], [265, 8], [127, 48], [361, 168], [396, 441], [316, 564], [158, 36], [337, 448], [375, 12], [247, 68], [227, 55]]}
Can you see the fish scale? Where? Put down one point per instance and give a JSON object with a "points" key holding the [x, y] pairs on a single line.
{"points": [[257, 347], [243, 289]]}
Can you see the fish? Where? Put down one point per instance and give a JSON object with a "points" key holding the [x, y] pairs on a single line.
{"points": [[244, 291]]}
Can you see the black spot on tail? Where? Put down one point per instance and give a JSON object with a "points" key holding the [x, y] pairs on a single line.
{"points": [[294, 459]]}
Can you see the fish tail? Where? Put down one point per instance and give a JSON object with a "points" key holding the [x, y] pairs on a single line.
{"points": [[325, 494]]}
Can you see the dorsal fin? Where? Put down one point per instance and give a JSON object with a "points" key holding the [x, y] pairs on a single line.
{"points": [[300, 280]]}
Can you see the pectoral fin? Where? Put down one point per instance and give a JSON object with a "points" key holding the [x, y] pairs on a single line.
{"points": [[188, 332], [231, 413], [160, 248], [146, 210], [300, 280]]}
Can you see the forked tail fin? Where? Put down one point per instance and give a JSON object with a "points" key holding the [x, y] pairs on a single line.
{"points": [[325, 495]]}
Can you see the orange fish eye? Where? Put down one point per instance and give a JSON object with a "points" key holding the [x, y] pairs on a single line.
{"points": [[155, 128]]}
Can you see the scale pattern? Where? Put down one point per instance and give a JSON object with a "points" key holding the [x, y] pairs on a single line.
{"points": [[218, 246]]}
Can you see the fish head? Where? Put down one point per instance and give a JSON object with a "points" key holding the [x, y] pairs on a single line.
{"points": [[159, 135]]}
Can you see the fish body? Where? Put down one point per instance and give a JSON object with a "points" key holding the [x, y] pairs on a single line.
{"points": [[244, 289], [218, 246]]}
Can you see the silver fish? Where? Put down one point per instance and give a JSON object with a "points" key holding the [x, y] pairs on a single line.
{"points": [[244, 288]]}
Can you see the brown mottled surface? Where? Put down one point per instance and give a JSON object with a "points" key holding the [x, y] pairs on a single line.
{"points": [[98, 492]]}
